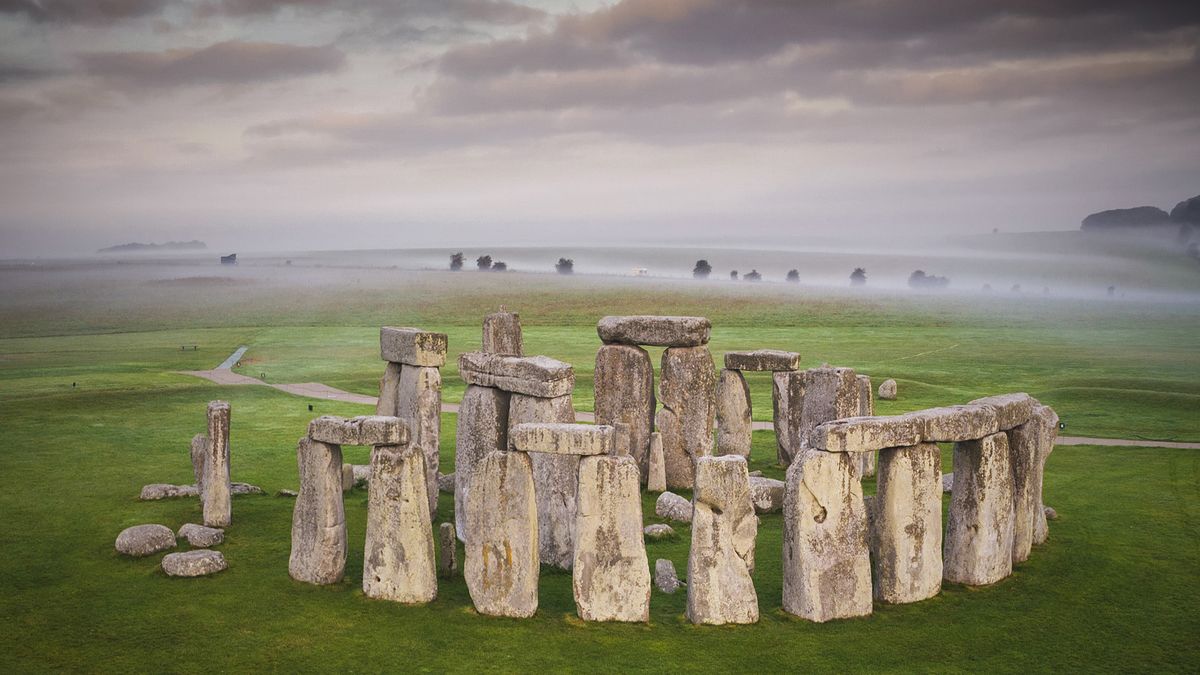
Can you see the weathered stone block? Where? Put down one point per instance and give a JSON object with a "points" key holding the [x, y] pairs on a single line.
{"points": [[688, 394], [156, 491], [365, 430], [1012, 410], [419, 404], [624, 393], [658, 331], [539, 376], [673, 507], [447, 551], [389, 390], [979, 534], [906, 527], [724, 529], [319, 520], [556, 478], [734, 417], [562, 439], [866, 434], [502, 334], [770, 360], [665, 576], [955, 423], [656, 473], [143, 540], [412, 346], [199, 453], [611, 575], [198, 563], [200, 536], [482, 428], [501, 567], [1028, 445], [398, 559], [657, 531], [866, 408], [787, 400], [216, 497], [767, 494], [1041, 530], [887, 390]]}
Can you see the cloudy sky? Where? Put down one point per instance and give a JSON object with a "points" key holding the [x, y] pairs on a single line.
{"points": [[260, 124]]}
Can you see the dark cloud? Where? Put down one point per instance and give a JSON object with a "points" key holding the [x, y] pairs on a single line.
{"points": [[231, 62], [482, 11], [81, 11]]}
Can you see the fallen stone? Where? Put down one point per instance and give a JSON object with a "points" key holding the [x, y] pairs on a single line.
{"points": [[954, 424], [365, 430], [756, 474], [156, 491], [501, 567], [245, 489], [656, 473], [1028, 444], [724, 529], [906, 524], [1050, 513], [389, 390], [502, 334], [979, 534], [1012, 410], [318, 553], [419, 404], [866, 434], [445, 482], [665, 577], [447, 551], [611, 576], [201, 536], [657, 331], [412, 347], [215, 499], [539, 376], [947, 482], [887, 390], [398, 559], [556, 478], [769, 360], [284, 492], [482, 428], [143, 540], [623, 386], [673, 507], [197, 563], [767, 494], [658, 531], [687, 390], [562, 439], [734, 422], [826, 561]]}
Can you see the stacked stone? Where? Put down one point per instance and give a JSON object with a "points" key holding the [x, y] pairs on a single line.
{"points": [[411, 389], [724, 529], [624, 389], [210, 465], [733, 395], [804, 399]]}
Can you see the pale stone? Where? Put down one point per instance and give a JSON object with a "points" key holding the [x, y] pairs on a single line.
{"points": [[866, 408], [502, 334], [556, 478], [398, 559], [363, 430], [197, 563], [956, 423], [687, 390], [389, 390], [539, 376], [656, 472], [610, 575], [721, 559], [199, 453], [1050, 513], [155, 491], [786, 387], [501, 567], [673, 507], [906, 524], [201, 536], [447, 551], [215, 498], [657, 531], [947, 482], [665, 576], [562, 439], [284, 492], [237, 488], [658, 331], [143, 540], [1028, 445], [622, 439], [347, 477], [623, 386], [734, 421], [412, 347], [482, 428], [420, 406], [826, 563], [866, 434], [887, 390], [362, 474], [767, 494], [319, 520], [1012, 410], [979, 534], [445, 482], [768, 360]]}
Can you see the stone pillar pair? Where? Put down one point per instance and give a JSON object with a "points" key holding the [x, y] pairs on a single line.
{"points": [[734, 414], [210, 466], [411, 389]]}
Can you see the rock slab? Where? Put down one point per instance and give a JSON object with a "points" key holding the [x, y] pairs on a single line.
{"points": [[143, 540], [447, 551], [610, 575], [482, 428], [201, 536], [665, 577], [724, 529], [1028, 445], [501, 566], [657, 331], [734, 416], [887, 390], [558, 438], [979, 534], [319, 519], [556, 478], [502, 334], [673, 507], [419, 404], [906, 524], [197, 563], [767, 494], [215, 496], [656, 472], [363, 430], [623, 385], [687, 390], [539, 376], [398, 559], [657, 531], [763, 360], [412, 347]]}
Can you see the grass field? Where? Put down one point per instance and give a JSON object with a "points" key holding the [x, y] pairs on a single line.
{"points": [[1115, 588]]}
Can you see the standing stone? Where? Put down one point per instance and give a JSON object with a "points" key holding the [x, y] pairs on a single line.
{"points": [[389, 390], [319, 519], [665, 576], [826, 563], [733, 414], [611, 575], [787, 399], [688, 394], [347, 477], [501, 567], [482, 428], [217, 502], [829, 394], [721, 559], [1041, 530], [887, 390], [398, 560], [556, 478], [656, 474], [624, 393], [420, 404], [199, 452], [1028, 444], [502, 334], [979, 534], [447, 551], [906, 528], [866, 408]]}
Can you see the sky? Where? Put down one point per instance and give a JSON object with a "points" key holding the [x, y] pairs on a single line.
{"points": [[317, 124]]}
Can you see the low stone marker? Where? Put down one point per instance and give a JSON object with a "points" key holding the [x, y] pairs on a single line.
{"points": [[398, 559], [143, 540], [502, 334], [665, 576], [319, 520], [763, 360], [201, 536], [687, 390], [906, 528], [215, 496], [539, 376], [673, 507], [657, 531], [611, 576], [412, 346], [657, 331], [979, 534], [623, 386], [501, 567], [887, 390], [656, 477], [365, 430], [482, 428], [562, 439], [734, 415], [197, 563], [724, 529], [447, 551]]}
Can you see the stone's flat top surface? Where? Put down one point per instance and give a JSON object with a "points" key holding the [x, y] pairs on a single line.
{"points": [[866, 434], [562, 439], [365, 430], [196, 563], [1012, 410], [955, 423], [658, 331], [412, 346], [144, 540], [540, 368], [773, 360]]}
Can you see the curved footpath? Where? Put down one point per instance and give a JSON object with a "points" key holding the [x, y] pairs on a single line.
{"points": [[223, 374]]}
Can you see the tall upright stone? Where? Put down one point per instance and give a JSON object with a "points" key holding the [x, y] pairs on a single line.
{"points": [[199, 453], [906, 527], [1041, 529], [501, 566], [826, 563], [611, 574], [724, 529], [482, 428], [555, 476], [419, 402], [319, 519], [656, 475], [624, 393], [688, 394], [806, 399], [734, 417], [787, 400], [979, 534], [217, 495], [389, 390], [502, 334], [1028, 445], [866, 408], [398, 560]]}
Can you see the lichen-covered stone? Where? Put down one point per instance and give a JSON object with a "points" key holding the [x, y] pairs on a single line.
{"points": [[866, 434], [767, 494], [657, 531], [347, 477], [389, 390], [419, 404], [979, 534], [502, 334], [734, 421], [398, 559], [482, 428], [1028, 445], [687, 390], [906, 524], [143, 540], [656, 472], [956, 423], [447, 551], [769, 360], [199, 454], [216, 498], [866, 408], [673, 507], [826, 563], [887, 390], [623, 384], [319, 519], [445, 482], [412, 346], [556, 478], [201, 536], [1012, 410], [658, 331], [501, 567], [610, 575], [156, 491], [787, 389], [558, 438], [665, 576], [197, 563], [363, 430], [724, 529], [539, 376]]}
